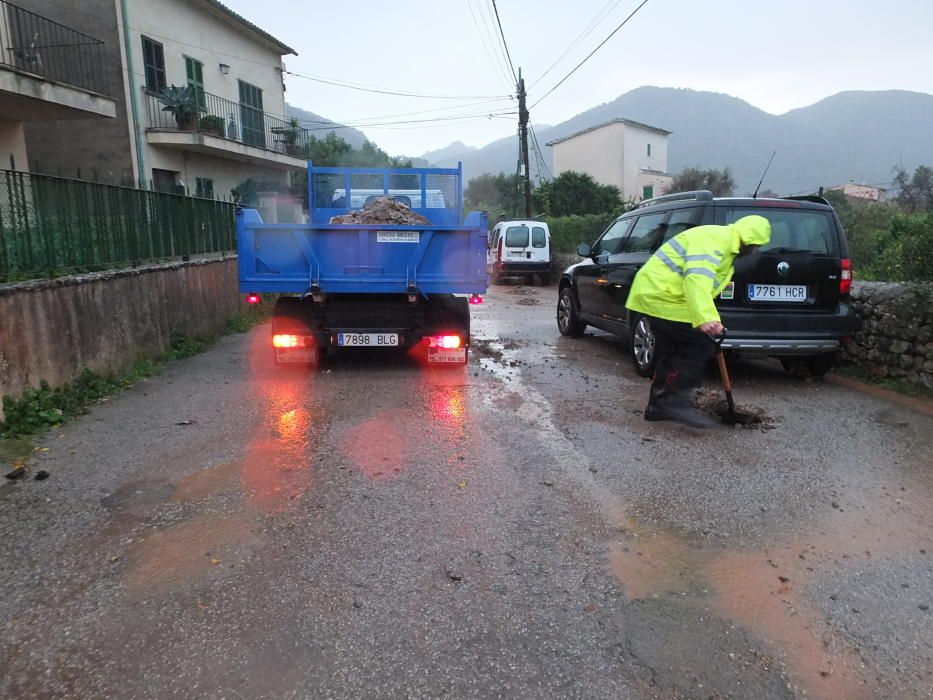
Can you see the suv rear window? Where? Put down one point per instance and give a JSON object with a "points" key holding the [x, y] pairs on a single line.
{"points": [[516, 237], [793, 230]]}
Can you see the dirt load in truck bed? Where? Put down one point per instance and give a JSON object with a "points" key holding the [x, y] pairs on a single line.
{"points": [[383, 210]]}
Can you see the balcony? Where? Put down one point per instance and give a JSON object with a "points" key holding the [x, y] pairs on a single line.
{"points": [[227, 129], [49, 71]]}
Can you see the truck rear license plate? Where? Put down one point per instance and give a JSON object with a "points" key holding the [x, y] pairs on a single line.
{"points": [[367, 340], [452, 356], [777, 292]]}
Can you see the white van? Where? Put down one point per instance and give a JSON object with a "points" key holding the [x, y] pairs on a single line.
{"points": [[519, 249], [410, 198]]}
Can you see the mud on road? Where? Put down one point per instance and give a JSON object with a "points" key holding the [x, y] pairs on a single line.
{"points": [[514, 529]]}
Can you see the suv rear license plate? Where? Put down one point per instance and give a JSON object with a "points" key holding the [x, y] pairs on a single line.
{"points": [[367, 340], [777, 292]]}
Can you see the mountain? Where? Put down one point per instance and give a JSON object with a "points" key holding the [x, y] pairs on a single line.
{"points": [[454, 150], [321, 126], [849, 136]]}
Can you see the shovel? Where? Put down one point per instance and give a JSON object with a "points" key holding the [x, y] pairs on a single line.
{"points": [[729, 416]]}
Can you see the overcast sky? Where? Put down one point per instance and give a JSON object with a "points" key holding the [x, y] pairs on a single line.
{"points": [[777, 55]]}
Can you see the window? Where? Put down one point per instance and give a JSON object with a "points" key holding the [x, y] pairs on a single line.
{"points": [[609, 243], [516, 237], [164, 180], [649, 150], [195, 72], [681, 220], [251, 116], [645, 234], [538, 237], [647, 192], [154, 64], [205, 187], [794, 230]]}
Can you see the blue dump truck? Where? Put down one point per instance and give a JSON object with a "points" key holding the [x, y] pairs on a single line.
{"points": [[369, 285]]}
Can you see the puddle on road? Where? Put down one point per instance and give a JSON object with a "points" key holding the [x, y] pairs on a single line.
{"points": [[187, 552], [765, 590]]}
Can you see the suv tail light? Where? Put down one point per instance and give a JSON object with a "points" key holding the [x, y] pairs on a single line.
{"points": [[845, 279]]}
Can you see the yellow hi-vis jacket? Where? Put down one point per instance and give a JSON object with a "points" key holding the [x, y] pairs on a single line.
{"points": [[681, 280]]}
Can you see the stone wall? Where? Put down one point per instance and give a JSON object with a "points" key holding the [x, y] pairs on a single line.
{"points": [[896, 334], [53, 329]]}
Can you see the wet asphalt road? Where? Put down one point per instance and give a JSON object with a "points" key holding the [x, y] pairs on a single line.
{"points": [[230, 530]]}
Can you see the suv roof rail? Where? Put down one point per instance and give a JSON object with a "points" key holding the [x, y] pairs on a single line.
{"points": [[699, 195], [815, 198]]}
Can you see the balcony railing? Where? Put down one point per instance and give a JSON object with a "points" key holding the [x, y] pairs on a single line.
{"points": [[35, 44], [233, 121]]}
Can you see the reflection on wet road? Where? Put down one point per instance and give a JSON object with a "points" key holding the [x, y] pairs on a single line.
{"points": [[513, 529]]}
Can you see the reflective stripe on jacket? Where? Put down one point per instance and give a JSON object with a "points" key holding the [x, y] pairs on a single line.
{"points": [[681, 280]]}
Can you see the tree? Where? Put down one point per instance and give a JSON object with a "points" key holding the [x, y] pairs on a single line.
{"points": [[915, 193], [332, 151], [495, 194], [573, 192], [719, 182]]}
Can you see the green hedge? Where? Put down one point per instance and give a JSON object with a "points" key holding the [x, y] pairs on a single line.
{"points": [[567, 232]]}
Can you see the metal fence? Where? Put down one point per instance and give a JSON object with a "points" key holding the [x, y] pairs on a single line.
{"points": [[51, 226], [235, 121], [35, 44]]}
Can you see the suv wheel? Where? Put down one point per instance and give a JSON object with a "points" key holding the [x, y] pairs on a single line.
{"points": [[643, 347], [568, 323]]}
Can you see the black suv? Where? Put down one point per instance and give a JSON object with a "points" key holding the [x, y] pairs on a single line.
{"points": [[788, 300]]}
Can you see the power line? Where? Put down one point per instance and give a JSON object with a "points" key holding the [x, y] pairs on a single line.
{"points": [[505, 44], [458, 117], [489, 21], [382, 91], [534, 138], [496, 65], [590, 54], [363, 120], [597, 19]]}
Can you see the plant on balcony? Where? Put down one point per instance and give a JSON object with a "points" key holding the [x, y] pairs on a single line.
{"points": [[182, 102], [212, 124], [288, 135]]}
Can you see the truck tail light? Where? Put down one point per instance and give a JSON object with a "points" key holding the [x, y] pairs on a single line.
{"points": [[285, 341], [445, 342], [253, 299], [845, 279], [476, 299]]}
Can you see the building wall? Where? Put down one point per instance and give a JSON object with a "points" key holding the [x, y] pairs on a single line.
{"points": [[597, 153], [851, 189], [97, 148], [635, 150], [226, 174], [108, 321], [186, 28], [12, 145], [615, 155]]}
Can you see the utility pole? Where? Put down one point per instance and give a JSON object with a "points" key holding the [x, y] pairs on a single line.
{"points": [[523, 141]]}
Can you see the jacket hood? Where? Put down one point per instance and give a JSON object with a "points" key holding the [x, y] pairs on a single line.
{"points": [[753, 230]]}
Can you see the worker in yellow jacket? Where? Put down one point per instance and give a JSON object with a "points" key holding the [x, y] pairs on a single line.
{"points": [[676, 289]]}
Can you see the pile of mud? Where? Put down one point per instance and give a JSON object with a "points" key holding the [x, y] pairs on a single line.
{"points": [[383, 210], [714, 403]]}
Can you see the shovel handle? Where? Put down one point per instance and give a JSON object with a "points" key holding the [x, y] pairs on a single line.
{"points": [[723, 371]]}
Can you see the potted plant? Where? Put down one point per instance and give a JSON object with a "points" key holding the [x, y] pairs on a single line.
{"points": [[288, 135], [212, 124], [182, 102]]}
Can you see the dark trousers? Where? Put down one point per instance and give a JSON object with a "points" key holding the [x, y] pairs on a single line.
{"points": [[683, 353]]}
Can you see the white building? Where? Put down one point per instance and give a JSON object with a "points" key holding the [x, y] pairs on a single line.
{"points": [[236, 69], [869, 193], [625, 153]]}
